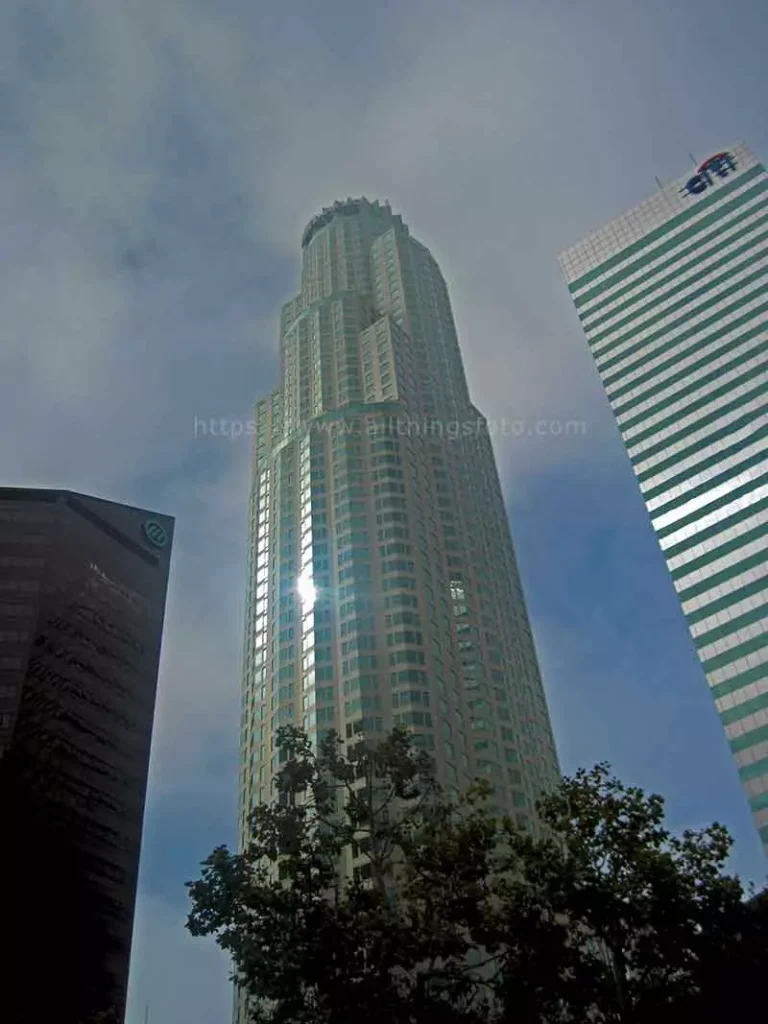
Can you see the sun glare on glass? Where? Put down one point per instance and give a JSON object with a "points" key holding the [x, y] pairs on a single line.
{"points": [[306, 589]]}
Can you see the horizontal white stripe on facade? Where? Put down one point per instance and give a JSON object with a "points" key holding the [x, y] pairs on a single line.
{"points": [[690, 353], [634, 331], [757, 659], [731, 640], [697, 457], [667, 394], [727, 560], [758, 363], [697, 265], [758, 574], [709, 419], [728, 614], [742, 726], [655, 351], [758, 786], [757, 406], [723, 591], [703, 500], [712, 543], [738, 697], [711, 518], [670, 236], [698, 479], [751, 755]]}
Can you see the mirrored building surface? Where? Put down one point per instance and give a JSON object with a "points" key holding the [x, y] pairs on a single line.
{"points": [[82, 598]]}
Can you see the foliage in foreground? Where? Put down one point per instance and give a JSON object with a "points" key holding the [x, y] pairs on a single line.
{"points": [[454, 917]]}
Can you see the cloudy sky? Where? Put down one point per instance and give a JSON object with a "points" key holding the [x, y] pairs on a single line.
{"points": [[158, 161]]}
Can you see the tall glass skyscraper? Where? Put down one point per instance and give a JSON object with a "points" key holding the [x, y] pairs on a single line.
{"points": [[673, 298], [382, 584]]}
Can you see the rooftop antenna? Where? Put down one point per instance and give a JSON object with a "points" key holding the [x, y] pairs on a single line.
{"points": [[659, 184], [146, 1014], [692, 158]]}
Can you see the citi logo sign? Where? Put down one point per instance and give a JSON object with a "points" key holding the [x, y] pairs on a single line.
{"points": [[154, 533], [718, 166]]}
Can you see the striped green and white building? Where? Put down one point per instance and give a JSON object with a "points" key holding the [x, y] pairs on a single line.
{"points": [[673, 299]]}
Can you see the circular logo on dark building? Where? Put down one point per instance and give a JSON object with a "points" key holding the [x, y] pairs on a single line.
{"points": [[154, 533]]}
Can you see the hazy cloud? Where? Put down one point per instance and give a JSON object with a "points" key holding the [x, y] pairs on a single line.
{"points": [[158, 161]]}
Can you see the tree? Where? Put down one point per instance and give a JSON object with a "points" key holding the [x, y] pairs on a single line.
{"points": [[454, 917], [621, 920], [393, 943], [731, 970]]}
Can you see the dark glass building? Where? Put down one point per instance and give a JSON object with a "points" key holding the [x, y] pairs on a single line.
{"points": [[82, 598]]}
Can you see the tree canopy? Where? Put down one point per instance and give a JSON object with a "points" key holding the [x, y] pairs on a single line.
{"points": [[364, 890]]}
